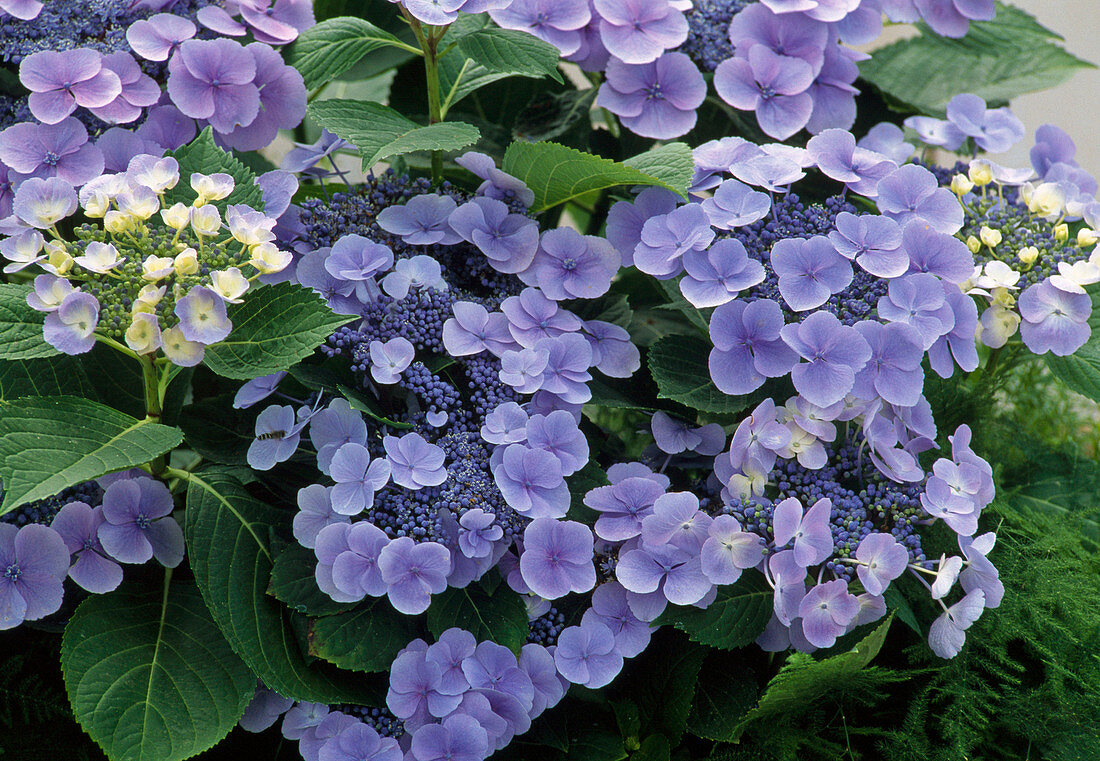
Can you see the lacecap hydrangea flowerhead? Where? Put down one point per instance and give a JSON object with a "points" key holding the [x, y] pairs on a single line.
{"points": [[150, 277]]}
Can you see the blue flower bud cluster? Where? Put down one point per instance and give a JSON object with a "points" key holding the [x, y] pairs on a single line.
{"points": [[43, 510]]}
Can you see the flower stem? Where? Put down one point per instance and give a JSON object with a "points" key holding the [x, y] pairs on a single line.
{"points": [[429, 38]]}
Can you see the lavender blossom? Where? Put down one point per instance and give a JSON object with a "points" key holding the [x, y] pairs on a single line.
{"points": [[509, 240], [71, 327], [57, 150], [60, 81], [357, 478], [138, 523], [157, 37], [813, 540], [809, 271], [78, 524], [1054, 320], [639, 31], [213, 80], [826, 611], [747, 346], [413, 572], [656, 99], [774, 86], [390, 359], [35, 561], [422, 221], [570, 265], [531, 482], [557, 558], [872, 241], [587, 655], [716, 276], [414, 462], [555, 21]]}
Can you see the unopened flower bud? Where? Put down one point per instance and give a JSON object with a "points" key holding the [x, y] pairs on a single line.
{"points": [[268, 259], [980, 174], [1086, 237], [156, 268], [177, 216], [991, 237], [1028, 255], [117, 223], [205, 220], [186, 262], [961, 185], [230, 284], [973, 244], [1061, 232]]}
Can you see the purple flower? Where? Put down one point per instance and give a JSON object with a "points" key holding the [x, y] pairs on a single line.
{"points": [[531, 482], [674, 436], [61, 81], [138, 523], [213, 80], [638, 31], [282, 101], [453, 647], [473, 329], [747, 346], [497, 185], [894, 370], [1053, 320], [256, 390], [557, 558], [677, 520], [717, 275], [555, 21], [458, 738], [569, 265], [357, 478], [314, 514], [355, 259], [623, 506], [666, 238], [979, 572], [139, 90], [414, 462], [538, 663], [509, 240], [656, 99], [936, 252], [625, 219], [422, 221], [728, 550], [330, 543], [772, 85], [415, 687], [813, 539], [833, 91], [390, 359], [735, 204], [266, 707], [826, 611], [51, 150], [359, 742], [303, 156], [413, 572], [494, 667], [912, 192], [356, 571], [25, 10], [558, 434], [478, 532], [203, 317], [918, 300], [613, 354], [566, 375], [157, 37], [1052, 147], [947, 634], [837, 156], [34, 560], [333, 427], [506, 424], [791, 35], [587, 655], [888, 139], [665, 568], [278, 22], [882, 559], [277, 435], [532, 316], [610, 607], [78, 524], [951, 18], [339, 294], [809, 271], [71, 328], [958, 344], [872, 241], [417, 272], [834, 353], [523, 370]]}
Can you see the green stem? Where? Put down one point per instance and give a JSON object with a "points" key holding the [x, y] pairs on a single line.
{"points": [[154, 403], [429, 40]]}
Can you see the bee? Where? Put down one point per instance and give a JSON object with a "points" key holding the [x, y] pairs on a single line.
{"points": [[271, 435]]}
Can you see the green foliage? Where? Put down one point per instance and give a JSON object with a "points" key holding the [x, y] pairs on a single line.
{"points": [[726, 690], [679, 366], [327, 50], [510, 51], [229, 534], [50, 443], [365, 639], [557, 174], [218, 431], [62, 375], [549, 116], [21, 326], [736, 617], [661, 683], [203, 155], [293, 582], [925, 72], [379, 132], [486, 608], [275, 327], [1080, 371], [149, 675]]}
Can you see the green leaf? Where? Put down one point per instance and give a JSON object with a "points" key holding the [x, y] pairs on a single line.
{"points": [[653, 748], [511, 52], [50, 443], [1081, 370], [379, 132], [325, 51], [294, 583], [551, 115], [21, 326], [557, 174], [365, 639], [803, 680], [276, 327], [459, 76], [736, 617], [203, 155], [671, 163], [229, 547], [679, 365], [589, 477], [661, 681], [925, 72], [149, 675], [52, 376], [218, 431], [500, 616], [677, 302], [724, 692]]}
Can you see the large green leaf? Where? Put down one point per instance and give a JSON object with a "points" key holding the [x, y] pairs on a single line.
{"points": [[293, 581], [679, 365], [325, 51], [149, 675], [379, 132], [661, 682], [1081, 370], [724, 692], [736, 617], [21, 326], [274, 328], [557, 174], [365, 639], [204, 156], [498, 615], [50, 443], [512, 52], [925, 72], [229, 547], [49, 376], [803, 680]]}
